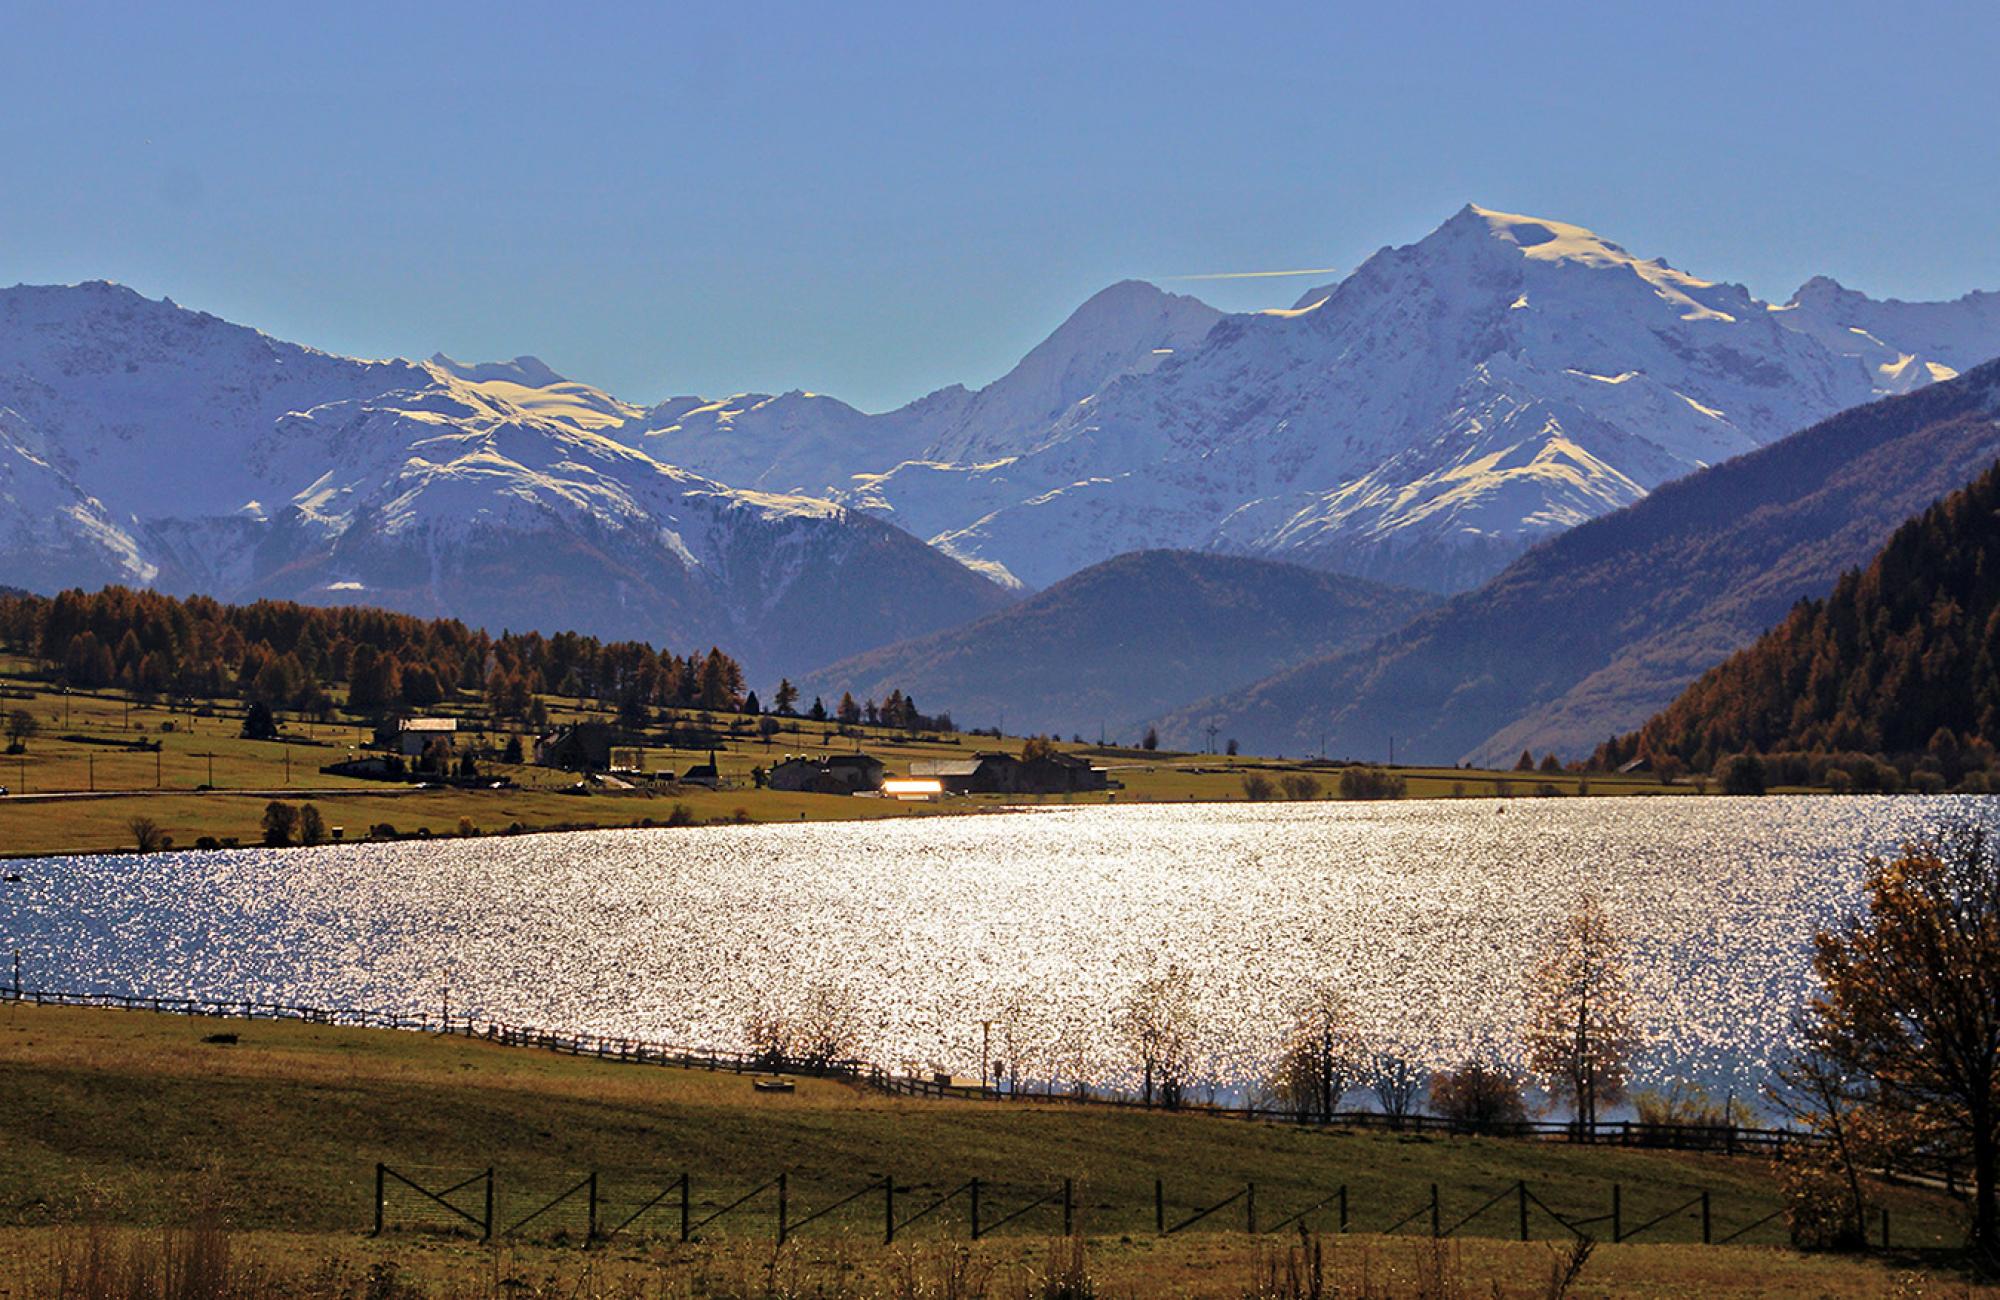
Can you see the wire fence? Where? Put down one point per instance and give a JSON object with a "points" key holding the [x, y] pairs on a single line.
{"points": [[597, 1208]]}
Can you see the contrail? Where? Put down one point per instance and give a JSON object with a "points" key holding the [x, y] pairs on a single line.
{"points": [[1255, 275]]}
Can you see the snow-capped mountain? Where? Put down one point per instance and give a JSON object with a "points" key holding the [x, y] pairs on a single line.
{"points": [[141, 442], [1423, 420], [1427, 418]]}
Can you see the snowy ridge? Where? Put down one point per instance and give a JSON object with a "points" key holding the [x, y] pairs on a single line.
{"points": [[227, 462]]}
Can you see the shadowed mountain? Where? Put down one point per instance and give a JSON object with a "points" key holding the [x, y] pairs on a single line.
{"points": [[1899, 659], [1592, 632], [1127, 639]]}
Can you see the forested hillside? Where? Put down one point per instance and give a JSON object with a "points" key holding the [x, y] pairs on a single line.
{"points": [[294, 656], [1899, 660]]}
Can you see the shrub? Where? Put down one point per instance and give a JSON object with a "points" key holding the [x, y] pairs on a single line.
{"points": [[1299, 785], [1478, 1095], [1371, 783], [1257, 788], [312, 826]]}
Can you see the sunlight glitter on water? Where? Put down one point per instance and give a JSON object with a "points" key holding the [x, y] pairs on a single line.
{"points": [[1426, 913]]}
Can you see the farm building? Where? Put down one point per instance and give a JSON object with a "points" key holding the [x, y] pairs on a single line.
{"points": [[1000, 773], [585, 747], [837, 774], [415, 735]]}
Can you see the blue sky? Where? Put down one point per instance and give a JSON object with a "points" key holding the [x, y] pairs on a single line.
{"points": [[875, 200]]}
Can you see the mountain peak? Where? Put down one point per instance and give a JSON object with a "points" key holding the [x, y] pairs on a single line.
{"points": [[527, 371]]}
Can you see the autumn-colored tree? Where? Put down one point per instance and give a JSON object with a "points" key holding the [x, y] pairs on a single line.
{"points": [[1909, 1006], [1580, 1036], [1322, 1059], [1037, 747], [786, 700]]}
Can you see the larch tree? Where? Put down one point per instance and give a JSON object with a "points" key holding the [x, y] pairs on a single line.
{"points": [[1323, 1058], [1580, 1036], [1909, 1003]]}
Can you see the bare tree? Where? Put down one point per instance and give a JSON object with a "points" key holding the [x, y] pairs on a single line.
{"points": [[1322, 1058], [1157, 1023], [147, 836], [815, 1033], [1580, 1036], [1397, 1083], [21, 728], [1910, 1007]]}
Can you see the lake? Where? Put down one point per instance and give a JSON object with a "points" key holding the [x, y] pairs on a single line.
{"points": [[1425, 914]]}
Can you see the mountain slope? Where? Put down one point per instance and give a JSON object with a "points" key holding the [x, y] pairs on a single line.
{"points": [[1899, 652], [1127, 639], [1592, 632], [808, 442], [141, 442], [1426, 419]]}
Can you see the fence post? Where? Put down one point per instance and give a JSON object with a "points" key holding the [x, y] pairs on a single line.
{"points": [[888, 1209], [379, 1168], [1250, 1206], [781, 1209], [1434, 1209], [489, 1204], [1704, 1218], [1521, 1190], [1617, 1223], [1069, 1200], [975, 1209], [1159, 1207], [1885, 1227], [590, 1232], [1343, 1207], [684, 1206]]}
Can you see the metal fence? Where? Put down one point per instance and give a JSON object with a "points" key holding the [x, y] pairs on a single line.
{"points": [[598, 1208]]}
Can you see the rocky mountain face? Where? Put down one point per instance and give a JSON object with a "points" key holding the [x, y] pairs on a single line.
{"points": [[1592, 632], [1122, 641], [143, 443], [1424, 420]]}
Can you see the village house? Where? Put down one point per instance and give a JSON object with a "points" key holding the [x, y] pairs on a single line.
{"points": [[1001, 773], [585, 747], [415, 735], [836, 774]]}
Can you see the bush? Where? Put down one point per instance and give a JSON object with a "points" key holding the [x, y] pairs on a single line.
{"points": [[1258, 788], [1477, 1095], [312, 826], [1819, 1206], [1371, 783], [1298, 785], [1741, 774]]}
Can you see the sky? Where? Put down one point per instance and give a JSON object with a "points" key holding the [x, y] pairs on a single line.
{"points": [[875, 200]]}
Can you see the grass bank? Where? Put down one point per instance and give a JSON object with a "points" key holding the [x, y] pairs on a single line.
{"points": [[135, 1122]]}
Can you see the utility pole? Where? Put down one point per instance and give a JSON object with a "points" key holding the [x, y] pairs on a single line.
{"points": [[1392, 751], [90, 766], [985, 1052]]}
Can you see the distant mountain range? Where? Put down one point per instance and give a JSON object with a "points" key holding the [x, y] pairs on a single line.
{"points": [[1590, 633], [143, 443], [1422, 422], [1126, 640]]}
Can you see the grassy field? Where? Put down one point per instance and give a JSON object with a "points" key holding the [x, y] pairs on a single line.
{"points": [[134, 1122], [194, 784]]}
